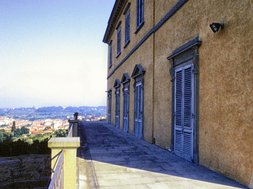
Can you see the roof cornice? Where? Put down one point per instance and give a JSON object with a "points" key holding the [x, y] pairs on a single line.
{"points": [[117, 8]]}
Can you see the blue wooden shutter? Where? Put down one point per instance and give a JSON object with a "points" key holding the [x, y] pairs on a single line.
{"points": [[141, 11], [188, 104], [119, 40], [187, 96], [126, 109], [183, 107], [179, 98], [109, 106], [138, 101], [178, 112], [117, 108], [137, 13], [127, 27]]}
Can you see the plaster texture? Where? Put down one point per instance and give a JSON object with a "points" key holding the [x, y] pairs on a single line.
{"points": [[142, 56], [225, 103], [134, 37]]}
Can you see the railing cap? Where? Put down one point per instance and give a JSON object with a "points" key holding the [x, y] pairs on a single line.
{"points": [[64, 142], [73, 121]]}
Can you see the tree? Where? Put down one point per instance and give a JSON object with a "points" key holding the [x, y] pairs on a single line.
{"points": [[1, 137], [19, 132], [13, 128], [24, 130], [60, 133]]}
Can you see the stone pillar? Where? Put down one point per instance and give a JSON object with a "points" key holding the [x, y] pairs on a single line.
{"points": [[69, 146]]}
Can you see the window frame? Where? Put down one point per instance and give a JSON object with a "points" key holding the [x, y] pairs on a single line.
{"points": [[179, 57], [117, 107], [109, 106], [117, 103], [110, 55], [125, 81], [127, 25], [138, 76], [118, 40], [139, 14]]}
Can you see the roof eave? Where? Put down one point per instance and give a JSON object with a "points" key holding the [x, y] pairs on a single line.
{"points": [[117, 8]]}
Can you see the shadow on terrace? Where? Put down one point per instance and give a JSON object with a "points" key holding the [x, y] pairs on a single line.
{"points": [[116, 159]]}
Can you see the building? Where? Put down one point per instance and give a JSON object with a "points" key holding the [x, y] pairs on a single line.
{"points": [[180, 75]]}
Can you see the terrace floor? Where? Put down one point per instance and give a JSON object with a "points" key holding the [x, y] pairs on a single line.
{"points": [[111, 159]]}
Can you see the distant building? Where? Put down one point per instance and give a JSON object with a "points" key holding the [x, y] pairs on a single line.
{"points": [[179, 78], [57, 124]]}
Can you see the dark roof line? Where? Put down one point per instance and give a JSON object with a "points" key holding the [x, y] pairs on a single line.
{"points": [[117, 8]]}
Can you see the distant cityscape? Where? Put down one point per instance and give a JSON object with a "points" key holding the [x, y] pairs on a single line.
{"points": [[47, 119]]}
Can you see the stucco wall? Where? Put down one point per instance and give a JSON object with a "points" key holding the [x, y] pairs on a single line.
{"points": [[161, 8], [134, 37], [226, 100], [225, 79], [226, 83], [142, 56]]}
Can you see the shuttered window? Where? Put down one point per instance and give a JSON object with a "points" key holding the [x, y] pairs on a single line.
{"points": [[138, 75], [110, 55], [138, 109], [127, 27], [126, 107], [183, 106], [140, 13], [118, 40], [109, 110], [184, 75], [117, 107]]}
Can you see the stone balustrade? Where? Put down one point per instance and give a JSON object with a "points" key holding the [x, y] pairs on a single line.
{"points": [[63, 158]]}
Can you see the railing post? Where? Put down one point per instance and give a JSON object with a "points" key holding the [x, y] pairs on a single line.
{"points": [[69, 146], [74, 124]]}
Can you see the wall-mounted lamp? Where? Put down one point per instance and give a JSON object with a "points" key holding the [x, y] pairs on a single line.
{"points": [[215, 27]]}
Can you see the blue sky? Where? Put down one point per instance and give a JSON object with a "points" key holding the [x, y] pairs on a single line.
{"points": [[51, 52]]}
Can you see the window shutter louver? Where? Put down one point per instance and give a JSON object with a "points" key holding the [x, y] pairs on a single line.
{"points": [[187, 96], [125, 108], [183, 105], [178, 98], [117, 109]]}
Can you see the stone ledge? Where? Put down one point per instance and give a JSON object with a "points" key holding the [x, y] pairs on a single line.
{"points": [[64, 142]]}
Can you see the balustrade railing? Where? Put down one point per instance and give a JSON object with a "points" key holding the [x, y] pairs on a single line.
{"points": [[63, 158], [57, 174]]}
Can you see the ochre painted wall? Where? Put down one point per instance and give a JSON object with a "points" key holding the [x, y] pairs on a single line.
{"points": [[225, 79], [225, 83], [134, 37], [226, 93], [142, 56], [161, 7]]}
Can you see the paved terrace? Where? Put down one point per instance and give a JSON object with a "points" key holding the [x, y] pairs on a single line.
{"points": [[111, 159]]}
